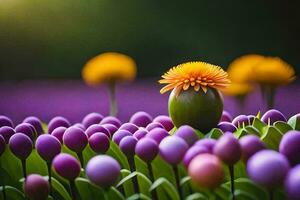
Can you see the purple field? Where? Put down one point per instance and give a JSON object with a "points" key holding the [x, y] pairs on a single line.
{"points": [[73, 99]]}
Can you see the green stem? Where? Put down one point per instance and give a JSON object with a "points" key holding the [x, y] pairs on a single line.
{"points": [[213, 195], [241, 102], [175, 168], [153, 193], [3, 183], [24, 168], [106, 193], [132, 169], [49, 177], [268, 93], [271, 195], [113, 101], [231, 172], [73, 190], [80, 156]]}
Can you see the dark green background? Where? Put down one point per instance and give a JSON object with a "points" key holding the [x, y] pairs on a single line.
{"points": [[41, 39]]}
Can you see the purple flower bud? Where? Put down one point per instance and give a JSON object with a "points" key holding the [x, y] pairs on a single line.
{"points": [[119, 135], [172, 149], [92, 118], [75, 139], [36, 187], [290, 146], [66, 166], [187, 133], [292, 183], [192, 153], [206, 171], [240, 120], [36, 123], [2, 145], [59, 133], [226, 117], [129, 127], [20, 145], [47, 147], [7, 132], [79, 125], [99, 142], [26, 129], [227, 127], [250, 144], [111, 120], [140, 133], [157, 134], [96, 129], [141, 119], [5, 121], [274, 116], [127, 145], [111, 128], [228, 149], [58, 122], [165, 121], [268, 168], [154, 125], [146, 149], [251, 118], [209, 143], [103, 170]]}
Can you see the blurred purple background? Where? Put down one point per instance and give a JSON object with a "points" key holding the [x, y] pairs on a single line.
{"points": [[73, 99]]}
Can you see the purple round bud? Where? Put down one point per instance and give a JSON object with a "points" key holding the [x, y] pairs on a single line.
{"points": [[103, 171], [154, 125], [36, 187], [36, 123], [290, 146], [226, 127], [66, 166], [92, 118], [292, 183], [5, 121], [20, 145], [146, 149], [157, 134], [79, 125], [75, 139], [59, 133], [127, 145], [228, 149], [251, 118], [99, 142], [226, 117], [96, 128], [192, 153], [47, 147], [129, 127], [272, 116], [165, 121], [2, 145], [119, 135], [111, 128], [172, 149], [250, 144], [209, 143], [111, 120], [268, 168], [141, 119], [187, 133], [241, 120], [58, 122], [26, 129], [7, 132], [140, 133]]}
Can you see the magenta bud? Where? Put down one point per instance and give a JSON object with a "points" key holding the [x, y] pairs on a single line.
{"points": [[187, 133], [111, 120], [79, 125], [241, 120], [47, 147], [209, 143], [290, 146], [157, 134], [2, 145], [273, 116], [59, 133], [99, 142], [58, 122], [66, 166], [127, 145], [92, 118], [96, 128], [75, 139], [165, 121], [111, 128], [36, 187], [140, 133], [146, 149], [192, 153], [251, 118], [26, 129], [141, 119], [119, 135], [154, 125], [20, 145], [227, 127], [5, 121], [292, 183], [250, 144], [7, 132], [129, 127], [226, 117], [36, 123]]}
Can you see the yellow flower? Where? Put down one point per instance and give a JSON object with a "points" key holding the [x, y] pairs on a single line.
{"points": [[241, 69], [194, 74], [109, 67], [237, 89], [273, 71]]}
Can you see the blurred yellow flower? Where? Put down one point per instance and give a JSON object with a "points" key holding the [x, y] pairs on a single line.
{"points": [[194, 74], [273, 71], [109, 67], [237, 89], [241, 69]]}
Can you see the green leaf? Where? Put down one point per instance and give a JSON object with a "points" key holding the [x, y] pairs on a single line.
{"points": [[271, 137], [35, 164], [127, 185], [215, 133], [283, 127], [294, 122], [118, 154], [259, 125], [242, 195], [167, 187], [87, 190], [173, 130], [114, 194], [196, 196], [252, 130], [185, 180], [240, 133], [222, 192], [12, 193], [163, 169], [199, 134], [138, 196], [59, 189]]}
